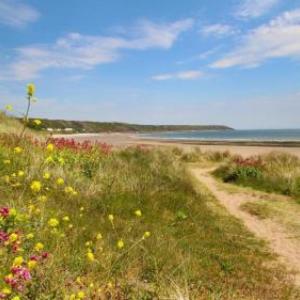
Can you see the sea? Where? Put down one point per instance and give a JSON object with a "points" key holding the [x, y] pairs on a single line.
{"points": [[259, 135]]}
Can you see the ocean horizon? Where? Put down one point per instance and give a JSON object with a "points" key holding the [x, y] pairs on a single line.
{"points": [[270, 135]]}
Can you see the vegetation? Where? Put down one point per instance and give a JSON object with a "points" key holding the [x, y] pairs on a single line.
{"points": [[86, 222], [275, 172], [97, 127]]}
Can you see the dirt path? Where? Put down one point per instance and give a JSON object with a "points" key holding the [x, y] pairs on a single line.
{"points": [[287, 249]]}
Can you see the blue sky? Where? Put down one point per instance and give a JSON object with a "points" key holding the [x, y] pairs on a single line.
{"points": [[232, 62]]}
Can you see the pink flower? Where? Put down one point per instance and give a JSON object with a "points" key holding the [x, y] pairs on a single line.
{"points": [[4, 212]]}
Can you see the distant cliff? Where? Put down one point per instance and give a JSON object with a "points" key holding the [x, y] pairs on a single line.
{"points": [[97, 127]]}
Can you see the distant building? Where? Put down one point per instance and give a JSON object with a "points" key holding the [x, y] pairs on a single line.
{"points": [[68, 129]]}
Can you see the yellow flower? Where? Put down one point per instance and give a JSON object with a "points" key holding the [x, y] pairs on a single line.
{"points": [[50, 147], [66, 219], [72, 297], [6, 161], [90, 256], [138, 213], [70, 226], [61, 161], [99, 236], [18, 261], [60, 181], [120, 244], [18, 150], [146, 234], [13, 237], [16, 298], [69, 190], [36, 186], [30, 89], [21, 173], [49, 159], [38, 247], [81, 208], [29, 236], [12, 212], [8, 107], [37, 122], [6, 291], [42, 198], [111, 217], [80, 295], [32, 264], [53, 222], [46, 175]]}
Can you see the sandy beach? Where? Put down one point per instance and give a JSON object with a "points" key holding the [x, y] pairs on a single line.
{"points": [[241, 148]]}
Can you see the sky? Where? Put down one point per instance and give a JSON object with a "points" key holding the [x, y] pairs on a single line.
{"points": [[230, 62]]}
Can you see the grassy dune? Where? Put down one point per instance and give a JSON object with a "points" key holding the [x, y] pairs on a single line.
{"points": [[274, 172], [90, 223]]}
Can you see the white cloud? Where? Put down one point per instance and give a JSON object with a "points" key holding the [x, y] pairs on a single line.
{"points": [[217, 30], [184, 75], [254, 8], [17, 14], [85, 52], [278, 38]]}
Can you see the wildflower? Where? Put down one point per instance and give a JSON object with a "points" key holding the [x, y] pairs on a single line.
{"points": [[21, 173], [46, 175], [69, 190], [60, 181], [50, 147], [99, 236], [37, 122], [120, 244], [29, 236], [18, 150], [80, 295], [18, 261], [61, 161], [36, 186], [49, 159], [30, 89], [88, 243], [42, 198], [111, 218], [66, 219], [72, 297], [90, 256], [38, 247], [146, 234], [12, 212], [13, 237], [31, 264], [4, 212], [6, 161], [16, 298], [53, 222], [70, 226], [81, 208], [138, 213], [6, 291], [8, 107]]}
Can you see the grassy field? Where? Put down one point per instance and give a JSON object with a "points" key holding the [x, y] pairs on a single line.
{"points": [[275, 172], [83, 221]]}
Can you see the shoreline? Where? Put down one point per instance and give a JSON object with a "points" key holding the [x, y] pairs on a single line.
{"points": [[243, 148]]}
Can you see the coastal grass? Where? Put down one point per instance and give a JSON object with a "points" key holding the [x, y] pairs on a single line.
{"points": [[124, 224], [275, 172]]}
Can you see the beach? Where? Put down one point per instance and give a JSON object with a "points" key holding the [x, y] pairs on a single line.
{"points": [[244, 149]]}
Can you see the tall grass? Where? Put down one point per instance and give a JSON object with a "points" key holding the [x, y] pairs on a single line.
{"points": [[274, 172]]}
